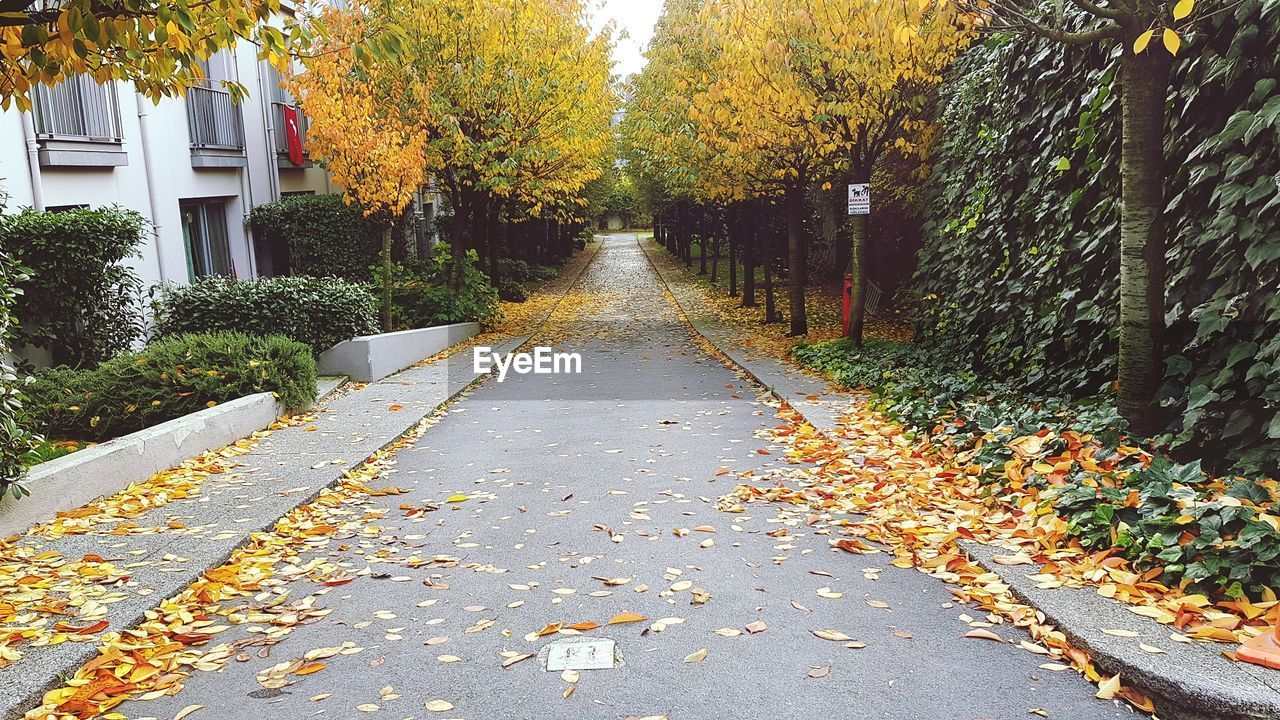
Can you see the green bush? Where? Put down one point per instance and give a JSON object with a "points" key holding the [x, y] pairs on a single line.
{"points": [[15, 440], [422, 297], [1019, 269], [319, 312], [511, 290], [523, 272], [79, 301], [1180, 522], [166, 380], [324, 235]]}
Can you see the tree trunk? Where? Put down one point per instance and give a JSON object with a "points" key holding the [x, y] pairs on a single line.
{"points": [[1144, 87], [796, 257], [492, 232], [858, 270], [715, 254], [702, 240], [750, 234], [733, 233], [457, 243], [770, 308], [386, 278]]}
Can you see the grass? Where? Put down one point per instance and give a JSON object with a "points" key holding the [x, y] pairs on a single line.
{"points": [[52, 450]]}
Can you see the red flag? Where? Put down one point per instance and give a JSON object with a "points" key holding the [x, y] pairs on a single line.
{"points": [[293, 135]]}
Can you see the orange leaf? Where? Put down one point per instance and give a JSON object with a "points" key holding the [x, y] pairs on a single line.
{"points": [[626, 617]]}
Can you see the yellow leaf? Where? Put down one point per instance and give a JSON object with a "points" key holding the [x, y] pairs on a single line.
{"points": [[1143, 40], [456, 498], [1171, 41], [1108, 688], [1183, 9]]}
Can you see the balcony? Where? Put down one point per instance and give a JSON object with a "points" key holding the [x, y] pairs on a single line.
{"points": [[282, 142], [78, 124], [216, 129]]}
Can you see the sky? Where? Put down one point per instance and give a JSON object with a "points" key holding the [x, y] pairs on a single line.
{"points": [[636, 18]]}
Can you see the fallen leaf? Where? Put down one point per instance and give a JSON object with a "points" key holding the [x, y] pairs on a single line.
{"points": [[696, 657], [984, 635], [1108, 688], [439, 705]]}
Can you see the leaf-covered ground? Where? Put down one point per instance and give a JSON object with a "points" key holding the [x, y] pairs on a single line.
{"points": [[425, 584], [918, 496]]}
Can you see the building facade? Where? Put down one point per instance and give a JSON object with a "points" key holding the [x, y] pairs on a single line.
{"points": [[192, 166]]}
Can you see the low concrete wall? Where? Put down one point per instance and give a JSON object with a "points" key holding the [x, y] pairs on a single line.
{"points": [[370, 358], [73, 480]]}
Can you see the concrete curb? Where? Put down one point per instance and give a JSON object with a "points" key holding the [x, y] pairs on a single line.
{"points": [[105, 469], [370, 358], [1187, 682], [38, 675]]}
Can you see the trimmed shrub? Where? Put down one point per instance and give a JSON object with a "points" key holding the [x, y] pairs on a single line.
{"points": [[166, 380], [523, 272], [318, 312], [79, 301], [324, 235], [15, 440], [421, 296], [511, 290]]}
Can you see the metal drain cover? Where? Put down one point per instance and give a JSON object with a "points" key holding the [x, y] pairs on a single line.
{"points": [[580, 653]]}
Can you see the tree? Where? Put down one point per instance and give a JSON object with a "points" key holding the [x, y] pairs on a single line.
{"points": [[864, 70], [519, 106], [156, 44], [366, 125], [1144, 89]]}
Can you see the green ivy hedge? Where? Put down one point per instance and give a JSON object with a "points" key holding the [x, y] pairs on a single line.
{"points": [[80, 300], [324, 235], [15, 439], [170, 378], [1195, 527], [1019, 270], [318, 312]]}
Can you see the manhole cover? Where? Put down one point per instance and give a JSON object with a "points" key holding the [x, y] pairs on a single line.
{"points": [[580, 653]]}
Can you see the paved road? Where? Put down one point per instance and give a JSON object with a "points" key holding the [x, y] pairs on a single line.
{"points": [[633, 444]]}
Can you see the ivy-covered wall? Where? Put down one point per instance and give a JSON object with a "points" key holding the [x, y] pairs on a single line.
{"points": [[1019, 269]]}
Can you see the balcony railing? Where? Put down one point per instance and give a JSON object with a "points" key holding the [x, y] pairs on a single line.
{"points": [[277, 121], [213, 120], [77, 109]]}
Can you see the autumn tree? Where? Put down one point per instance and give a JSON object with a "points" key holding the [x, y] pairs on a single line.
{"points": [[863, 70], [520, 103], [755, 111], [366, 124], [1144, 76], [158, 45]]}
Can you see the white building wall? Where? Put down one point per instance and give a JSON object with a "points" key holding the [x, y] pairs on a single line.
{"points": [[172, 177]]}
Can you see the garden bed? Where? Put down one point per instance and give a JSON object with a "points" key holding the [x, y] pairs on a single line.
{"points": [[369, 358], [72, 480]]}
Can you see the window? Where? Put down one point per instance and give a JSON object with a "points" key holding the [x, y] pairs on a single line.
{"points": [[204, 229], [77, 108], [213, 120]]}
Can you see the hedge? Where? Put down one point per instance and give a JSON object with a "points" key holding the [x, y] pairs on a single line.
{"points": [[324, 235], [1019, 271], [15, 439], [318, 312], [166, 380], [80, 300]]}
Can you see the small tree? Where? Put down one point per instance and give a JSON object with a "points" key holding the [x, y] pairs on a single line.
{"points": [[365, 125], [1144, 90]]}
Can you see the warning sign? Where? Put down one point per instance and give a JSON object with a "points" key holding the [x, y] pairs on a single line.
{"points": [[860, 199]]}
